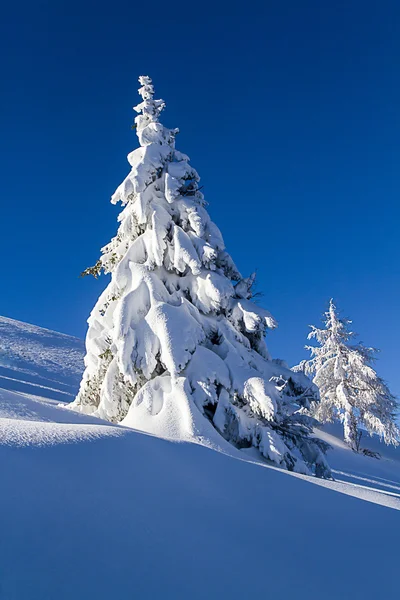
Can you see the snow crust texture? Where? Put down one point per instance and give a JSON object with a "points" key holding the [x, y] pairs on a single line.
{"points": [[175, 345]]}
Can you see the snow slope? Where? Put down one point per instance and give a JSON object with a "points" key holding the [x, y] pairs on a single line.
{"points": [[362, 471], [38, 361], [94, 510]]}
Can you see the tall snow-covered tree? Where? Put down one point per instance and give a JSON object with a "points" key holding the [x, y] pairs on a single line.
{"points": [[175, 345], [350, 389]]}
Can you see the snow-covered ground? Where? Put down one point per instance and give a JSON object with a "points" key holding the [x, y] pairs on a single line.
{"points": [[38, 361], [94, 510]]}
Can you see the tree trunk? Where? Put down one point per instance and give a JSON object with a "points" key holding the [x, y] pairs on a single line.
{"points": [[350, 429]]}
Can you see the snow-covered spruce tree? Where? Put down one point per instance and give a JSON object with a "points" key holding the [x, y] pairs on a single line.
{"points": [[175, 346], [350, 389]]}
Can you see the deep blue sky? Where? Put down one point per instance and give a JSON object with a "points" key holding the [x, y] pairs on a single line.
{"points": [[289, 111]]}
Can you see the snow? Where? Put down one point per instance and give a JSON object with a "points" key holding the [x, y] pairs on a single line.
{"points": [[27, 420], [90, 509], [39, 361], [378, 474]]}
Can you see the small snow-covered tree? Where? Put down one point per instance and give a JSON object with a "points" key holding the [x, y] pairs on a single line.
{"points": [[175, 345], [350, 389]]}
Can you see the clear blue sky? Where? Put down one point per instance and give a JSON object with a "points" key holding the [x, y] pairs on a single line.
{"points": [[289, 111]]}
